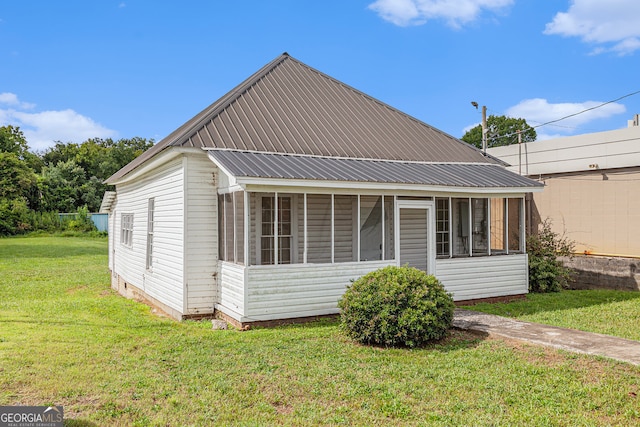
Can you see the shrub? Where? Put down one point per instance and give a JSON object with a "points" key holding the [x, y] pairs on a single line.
{"points": [[82, 221], [546, 272], [396, 306]]}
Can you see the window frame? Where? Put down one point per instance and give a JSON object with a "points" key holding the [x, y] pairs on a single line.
{"points": [[126, 229], [150, 230]]}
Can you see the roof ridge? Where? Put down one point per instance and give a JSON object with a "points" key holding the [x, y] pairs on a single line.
{"points": [[366, 159]]}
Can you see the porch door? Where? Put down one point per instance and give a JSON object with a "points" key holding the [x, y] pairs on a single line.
{"points": [[416, 235]]}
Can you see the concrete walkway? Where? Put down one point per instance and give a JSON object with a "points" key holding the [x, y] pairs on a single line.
{"points": [[551, 336]]}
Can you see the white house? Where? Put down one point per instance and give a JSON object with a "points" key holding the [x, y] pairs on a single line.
{"points": [[267, 204]]}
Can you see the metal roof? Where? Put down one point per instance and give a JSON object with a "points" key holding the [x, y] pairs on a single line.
{"points": [[300, 167], [289, 107]]}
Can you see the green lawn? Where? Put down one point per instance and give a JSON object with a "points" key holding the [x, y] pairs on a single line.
{"points": [[604, 311], [67, 339]]}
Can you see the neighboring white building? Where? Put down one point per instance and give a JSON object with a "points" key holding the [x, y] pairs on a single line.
{"points": [[592, 184], [267, 204]]}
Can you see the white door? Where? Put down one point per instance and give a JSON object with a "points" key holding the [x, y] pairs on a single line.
{"points": [[415, 237]]}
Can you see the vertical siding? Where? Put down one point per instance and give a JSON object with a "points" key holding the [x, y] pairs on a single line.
{"points": [[165, 283], [201, 235], [232, 290], [484, 277], [300, 290]]}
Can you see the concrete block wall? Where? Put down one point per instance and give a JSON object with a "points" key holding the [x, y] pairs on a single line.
{"points": [[600, 272]]}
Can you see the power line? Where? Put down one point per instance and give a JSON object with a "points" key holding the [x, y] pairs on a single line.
{"points": [[588, 109], [568, 116]]}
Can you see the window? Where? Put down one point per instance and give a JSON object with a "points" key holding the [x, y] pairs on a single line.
{"points": [[150, 215], [389, 206], [480, 227], [231, 227], [270, 215], [498, 230], [319, 228], [515, 225], [442, 227], [345, 211], [126, 231], [370, 228], [238, 198], [461, 235]]}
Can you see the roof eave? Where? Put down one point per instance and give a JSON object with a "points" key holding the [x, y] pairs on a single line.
{"points": [[249, 183]]}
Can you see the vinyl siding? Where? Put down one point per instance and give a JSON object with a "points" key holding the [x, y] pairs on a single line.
{"points": [[300, 290], [232, 293], [484, 277], [165, 281], [201, 235]]}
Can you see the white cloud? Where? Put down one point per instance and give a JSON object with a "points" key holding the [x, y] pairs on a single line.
{"points": [[612, 23], [42, 129], [537, 111], [416, 12], [11, 99]]}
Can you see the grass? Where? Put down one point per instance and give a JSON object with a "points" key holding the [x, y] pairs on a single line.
{"points": [[603, 311], [67, 339]]}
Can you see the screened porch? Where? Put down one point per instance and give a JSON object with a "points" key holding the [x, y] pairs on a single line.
{"points": [[293, 254]]}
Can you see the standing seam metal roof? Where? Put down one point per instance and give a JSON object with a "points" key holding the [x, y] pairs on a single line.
{"points": [[288, 166], [289, 107]]}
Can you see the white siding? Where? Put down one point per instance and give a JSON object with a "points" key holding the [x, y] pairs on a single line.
{"points": [[201, 235], [300, 290], [232, 290], [484, 277], [165, 282]]}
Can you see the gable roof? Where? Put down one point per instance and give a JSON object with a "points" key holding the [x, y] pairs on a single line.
{"points": [[289, 107], [294, 167]]}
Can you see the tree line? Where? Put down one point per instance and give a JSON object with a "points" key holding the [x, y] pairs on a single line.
{"points": [[68, 177]]}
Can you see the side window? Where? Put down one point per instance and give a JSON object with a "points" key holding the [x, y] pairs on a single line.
{"points": [[126, 230], [150, 220]]}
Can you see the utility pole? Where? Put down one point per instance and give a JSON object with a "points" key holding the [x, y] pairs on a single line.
{"points": [[484, 129], [519, 152], [484, 126]]}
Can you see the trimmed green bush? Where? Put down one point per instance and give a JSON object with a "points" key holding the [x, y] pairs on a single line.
{"points": [[395, 307]]}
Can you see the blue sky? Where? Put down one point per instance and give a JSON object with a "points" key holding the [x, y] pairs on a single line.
{"points": [[76, 69]]}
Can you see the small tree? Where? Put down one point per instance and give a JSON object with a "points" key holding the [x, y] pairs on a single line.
{"points": [[546, 271]]}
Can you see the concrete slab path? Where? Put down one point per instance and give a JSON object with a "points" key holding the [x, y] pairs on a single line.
{"points": [[551, 336]]}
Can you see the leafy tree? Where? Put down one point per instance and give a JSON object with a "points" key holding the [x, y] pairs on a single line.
{"points": [[97, 158], [16, 178], [12, 140], [61, 186], [502, 130]]}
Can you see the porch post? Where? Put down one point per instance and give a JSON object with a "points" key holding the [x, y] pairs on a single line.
{"points": [[304, 251], [247, 227], [383, 224], [333, 228], [275, 229]]}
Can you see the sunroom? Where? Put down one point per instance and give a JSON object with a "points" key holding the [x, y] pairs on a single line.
{"points": [[294, 231]]}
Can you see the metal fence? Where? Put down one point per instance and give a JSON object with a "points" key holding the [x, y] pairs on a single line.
{"points": [[101, 220]]}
